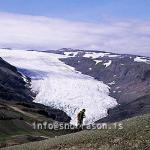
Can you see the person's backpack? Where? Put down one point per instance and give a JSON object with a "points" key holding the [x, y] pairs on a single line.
{"points": [[79, 115]]}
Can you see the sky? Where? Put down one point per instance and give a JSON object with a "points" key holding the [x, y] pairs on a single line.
{"points": [[121, 26]]}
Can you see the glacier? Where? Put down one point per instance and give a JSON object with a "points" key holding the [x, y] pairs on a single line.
{"points": [[61, 86]]}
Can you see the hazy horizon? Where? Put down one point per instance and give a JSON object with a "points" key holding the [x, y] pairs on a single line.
{"points": [[69, 49], [116, 26]]}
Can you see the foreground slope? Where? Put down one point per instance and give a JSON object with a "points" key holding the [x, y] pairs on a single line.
{"points": [[60, 86], [134, 135], [17, 118]]}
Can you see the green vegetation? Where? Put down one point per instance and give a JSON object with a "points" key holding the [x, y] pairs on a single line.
{"points": [[16, 125], [135, 135]]}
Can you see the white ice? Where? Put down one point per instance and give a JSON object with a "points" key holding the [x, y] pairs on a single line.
{"points": [[59, 85]]}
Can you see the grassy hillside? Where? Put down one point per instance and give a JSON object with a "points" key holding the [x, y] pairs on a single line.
{"points": [[135, 135], [16, 123]]}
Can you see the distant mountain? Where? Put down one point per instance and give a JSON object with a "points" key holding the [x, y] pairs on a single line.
{"points": [[128, 77]]}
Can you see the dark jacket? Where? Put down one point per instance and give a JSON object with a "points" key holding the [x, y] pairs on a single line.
{"points": [[81, 115]]}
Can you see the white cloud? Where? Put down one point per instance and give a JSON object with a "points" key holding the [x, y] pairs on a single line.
{"points": [[39, 32]]}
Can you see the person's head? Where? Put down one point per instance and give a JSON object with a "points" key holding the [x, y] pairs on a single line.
{"points": [[83, 110]]}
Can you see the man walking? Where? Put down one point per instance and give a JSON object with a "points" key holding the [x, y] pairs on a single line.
{"points": [[80, 117]]}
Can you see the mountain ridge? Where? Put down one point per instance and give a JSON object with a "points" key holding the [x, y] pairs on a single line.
{"points": [[127, 75]]}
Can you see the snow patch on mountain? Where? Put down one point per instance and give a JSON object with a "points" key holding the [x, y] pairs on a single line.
{"points": [[95, 55], [113, 56], [24, 78], [111, 83], [108, 63], [71, 54], [141, 59], [60, 86], [97, 61]]}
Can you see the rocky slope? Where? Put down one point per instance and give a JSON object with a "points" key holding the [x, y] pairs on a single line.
{"points": [[12, 83], [127, 75], [17, 118]]}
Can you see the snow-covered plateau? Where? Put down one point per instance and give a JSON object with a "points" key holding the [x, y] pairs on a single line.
{"points": [[60, 85]]}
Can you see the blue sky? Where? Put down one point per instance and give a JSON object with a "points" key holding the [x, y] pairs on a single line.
{"points": [[83, 10], [111, 25]]}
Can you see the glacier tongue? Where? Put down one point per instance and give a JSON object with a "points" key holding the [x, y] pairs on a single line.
{"points": [[59, 85]]}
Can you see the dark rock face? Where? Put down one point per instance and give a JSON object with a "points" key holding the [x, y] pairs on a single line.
{"points": [[129, 81], [137, 107], [46, 111], [12, 85]]}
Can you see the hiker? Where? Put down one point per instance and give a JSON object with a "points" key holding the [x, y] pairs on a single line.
{"points": [[80, 117]]}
